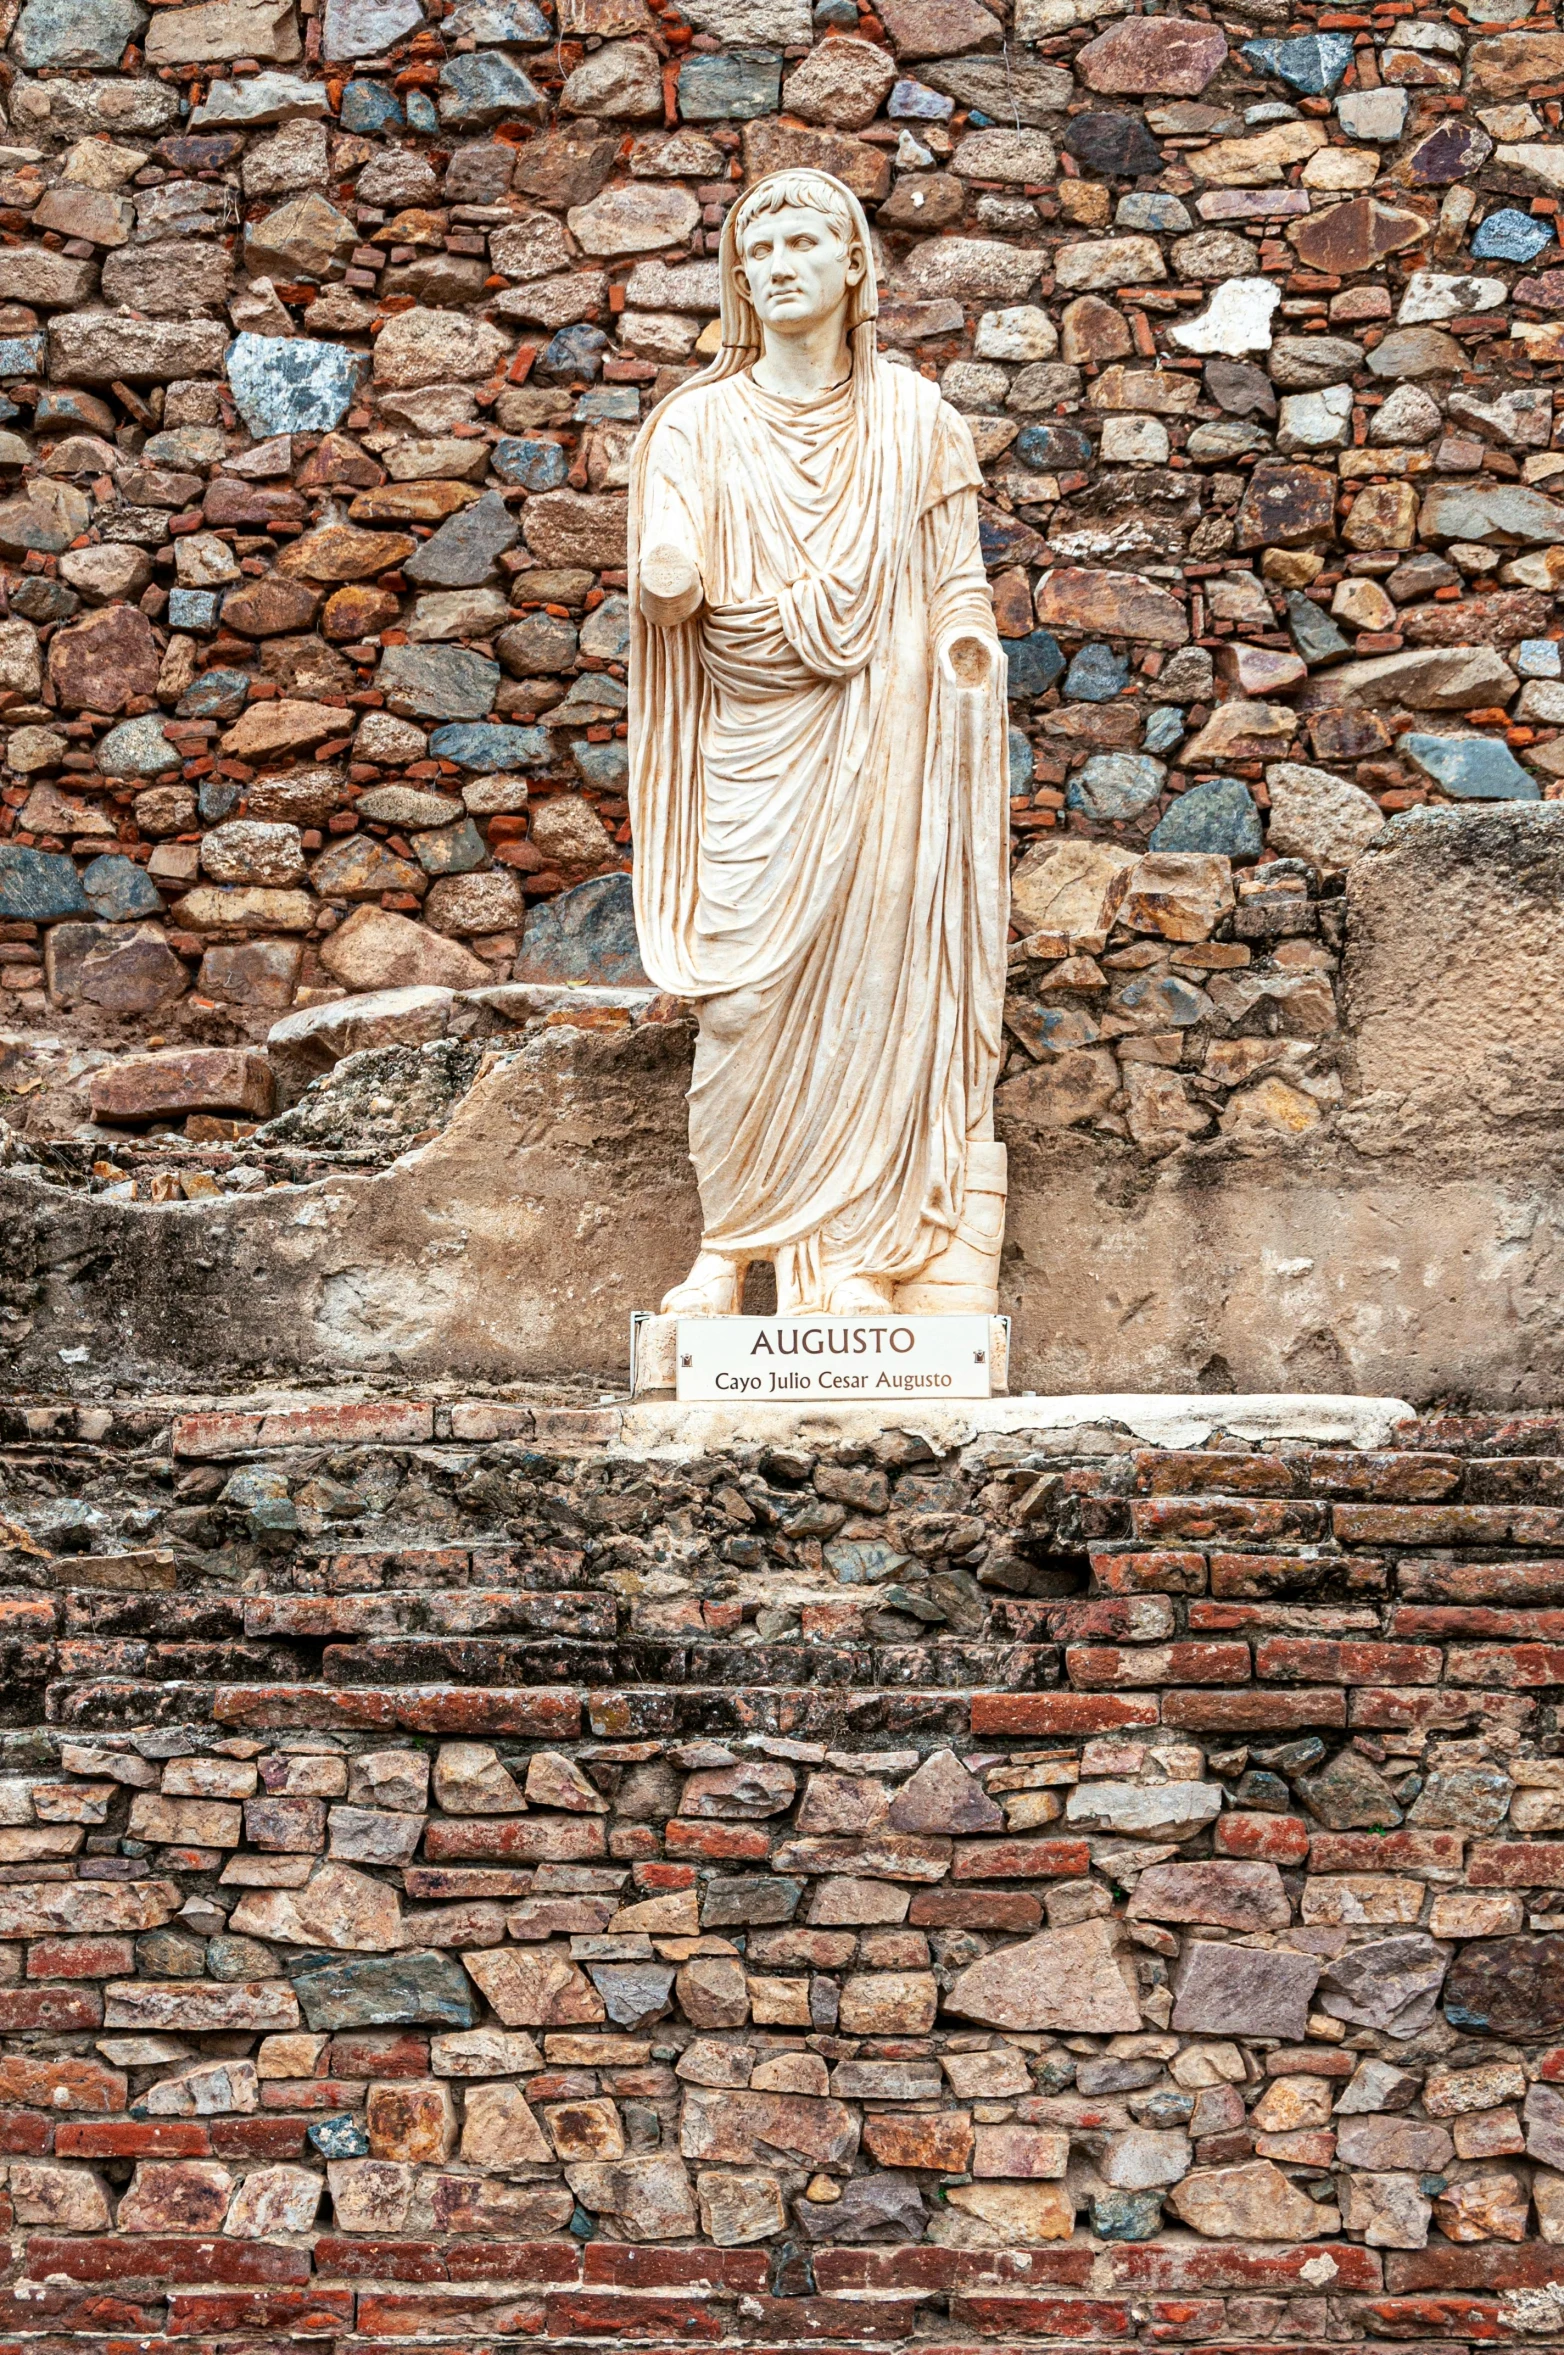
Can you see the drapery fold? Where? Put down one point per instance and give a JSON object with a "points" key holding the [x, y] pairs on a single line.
{"points": [[819, 813]]}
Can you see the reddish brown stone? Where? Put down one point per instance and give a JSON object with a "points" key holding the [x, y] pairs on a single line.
{"points": [[186, 1079], [271, 608], [100, 663], [1355, 236], [1286, 504], [1169, 56], [358, 611], [338, 552]]}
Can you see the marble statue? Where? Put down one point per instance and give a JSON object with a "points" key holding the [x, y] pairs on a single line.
{"points": [[817, 783]]}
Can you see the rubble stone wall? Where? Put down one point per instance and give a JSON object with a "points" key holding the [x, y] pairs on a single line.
{"points": [[477, 1874], [326, 329]]}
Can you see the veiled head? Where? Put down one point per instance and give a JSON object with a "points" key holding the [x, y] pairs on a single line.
{"points": [[798, 252]]}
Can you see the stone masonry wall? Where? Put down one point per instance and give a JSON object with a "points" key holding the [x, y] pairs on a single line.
{"points": [[325, 332], [471, 1875]]}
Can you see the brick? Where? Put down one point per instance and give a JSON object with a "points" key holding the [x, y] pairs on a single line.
{"points": [[610, 2264], [401, 2314], [1103, 1670], [1150, 1573], [738, 1843], [54, 2008], [1208, 1520], [1019, 2316], [1503, 1666], [1253, 1711], [1480, 1582], [132, 2138], [1020, 1859], [584, 2313], [872, 2272], [1489, 2265], [1212, 1471], [1113, 1619], [365, 2260], [1400, 1851], [1377, 1478], [1453, 2316], [1149, 2265], [80, 1958], [1392, 1706], [259, 2138], [429, 1709], [527, 1839], [370, 1423], [1061, 1713], [1277, 1839], [1516, 1864], [150, 2256], [302, 2313], [974, 1909], [1314, 1660], [1449, 1622], [1422, 1524]]}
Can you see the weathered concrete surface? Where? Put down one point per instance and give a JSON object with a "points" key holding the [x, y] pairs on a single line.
{"points": [[1412, 1245]]}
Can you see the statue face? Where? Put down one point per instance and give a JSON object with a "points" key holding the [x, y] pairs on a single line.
{"points": [[797, 269]]}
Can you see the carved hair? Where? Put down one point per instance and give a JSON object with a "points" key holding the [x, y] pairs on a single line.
{"points": [[810, 191]]}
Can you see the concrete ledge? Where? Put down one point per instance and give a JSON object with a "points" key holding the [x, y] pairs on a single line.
{"points": [[660, 1427]]}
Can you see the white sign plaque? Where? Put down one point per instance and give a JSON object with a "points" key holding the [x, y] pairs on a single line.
{"points": [[845, 1361]]}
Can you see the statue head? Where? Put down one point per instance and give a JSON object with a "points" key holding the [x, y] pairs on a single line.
{"points": [[799, 254]]}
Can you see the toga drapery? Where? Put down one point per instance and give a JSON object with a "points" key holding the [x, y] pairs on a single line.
{"points": [[819, 811]]}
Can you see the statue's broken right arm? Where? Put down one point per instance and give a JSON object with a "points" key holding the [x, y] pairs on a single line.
{"points": [[670, 585]]}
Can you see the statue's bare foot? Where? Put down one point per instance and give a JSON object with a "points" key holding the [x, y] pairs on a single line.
{"points": [[713, 1288], [859, 1296]]}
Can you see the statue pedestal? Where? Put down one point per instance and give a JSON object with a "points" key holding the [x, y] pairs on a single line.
{"points": [[836, 1361]]}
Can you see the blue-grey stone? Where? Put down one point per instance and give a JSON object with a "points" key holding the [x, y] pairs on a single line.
{"points": [[1473, 768], [386, 1991], [367, 28], [730, 87], [607, 766], [1217, 815], [743, 1901], [1511, 236], [440, 683], [137, 748], [1033, 663], [193, 609], [53, 33], [489, 22], [1164, 728], [634, 1992], [119, 890], [605, 633], [464, 551], [586, 934], [215, 695], [574, 351], [342, 2137], [1115, 785], [494, 745], [1096, 675], [421, 114], [607, 404], [22, 355], [1018, 761], [1534, 658], [863, 1561], [483, 88], [1313, 64], [218, 798], [912, 102], [840, 14], [259, 98], [536, 466], [1162, 215], [1170, 1004], [368, 107], [39, 886], [1312, 630], [1127, 2215], [451, 850], [1053, 445], [288, 384]]}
